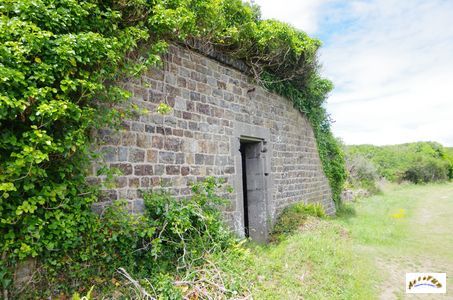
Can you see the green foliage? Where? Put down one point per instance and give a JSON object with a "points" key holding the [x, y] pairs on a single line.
{"points": [[362, 173], [416, 162], [171, 239], [345, 211], [76, 296], [294, 216], [112, 241], [61, 68], [58, 63], [187, 228], [425, 170], [163, 109], [310, 101], [449, 156]]}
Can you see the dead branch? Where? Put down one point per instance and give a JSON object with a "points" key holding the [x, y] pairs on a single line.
{"points": [[143, 293]]}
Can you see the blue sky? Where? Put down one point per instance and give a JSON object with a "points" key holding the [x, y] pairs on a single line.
{"points": [[391, 62]]}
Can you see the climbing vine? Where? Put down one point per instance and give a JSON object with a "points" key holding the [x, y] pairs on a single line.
{"points": [[61, 67], [310, 101]]}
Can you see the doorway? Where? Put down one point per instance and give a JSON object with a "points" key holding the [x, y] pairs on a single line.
{"points": [[253, 189]]}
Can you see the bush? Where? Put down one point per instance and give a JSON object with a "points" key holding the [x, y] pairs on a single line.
{"points": [[294, 216], [362, 173], [113, 241], [172, 239], [417, 162], [427, 170], [186, 229]]}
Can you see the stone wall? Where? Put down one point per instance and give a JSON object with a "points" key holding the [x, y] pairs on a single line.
{"points": [[214, 107]]}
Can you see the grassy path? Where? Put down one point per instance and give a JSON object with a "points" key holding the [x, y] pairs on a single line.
{"points": [[407, 229]]}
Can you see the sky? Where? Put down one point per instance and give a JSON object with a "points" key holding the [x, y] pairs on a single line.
{"points": [[391, 62]]}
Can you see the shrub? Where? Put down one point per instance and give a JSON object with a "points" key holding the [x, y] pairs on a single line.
{"points": [[294, 216], [170, 240], [59, 63], [113, 241], [417, 162], [427, 170], [362, 173], [186, 229], [449, 157]]}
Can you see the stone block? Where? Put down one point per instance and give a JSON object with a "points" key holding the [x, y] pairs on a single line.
{"points": [[178, 132], [144, 140], [143, 170], [199, 159], [128, 139], [137, 126], [157, 142], [150, 128], [185, 171], [167, 157], [203, 109], [173, 170], [108, 195], [172, 144], [195, 96], [109, 154], [108, 137], [159, 169], [180, 158], [151, 156], [134, 182], [136, 155], [120, 182]]}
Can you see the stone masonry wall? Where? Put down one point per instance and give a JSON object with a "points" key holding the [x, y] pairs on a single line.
{"points": [[213, 106]]}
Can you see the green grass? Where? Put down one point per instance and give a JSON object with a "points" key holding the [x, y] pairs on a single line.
{"points": [[316, 264], [362, 253], [406, 229], [380, 220], [414, 217]]}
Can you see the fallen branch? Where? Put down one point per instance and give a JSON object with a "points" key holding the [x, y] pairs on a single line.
{"points": [[143, 293]]}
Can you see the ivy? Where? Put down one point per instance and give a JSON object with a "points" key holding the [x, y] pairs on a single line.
{"points": [[59, 61], [310, 101], [61, 65]]}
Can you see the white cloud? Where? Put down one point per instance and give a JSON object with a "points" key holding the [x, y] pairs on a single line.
{"points": [[391, 62], [301, 14]]}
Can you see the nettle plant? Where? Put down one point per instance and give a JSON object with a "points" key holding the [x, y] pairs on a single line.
{"points": [[61, 68]]}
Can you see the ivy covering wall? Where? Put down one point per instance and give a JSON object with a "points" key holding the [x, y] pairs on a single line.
{"points": [[61, 63]]}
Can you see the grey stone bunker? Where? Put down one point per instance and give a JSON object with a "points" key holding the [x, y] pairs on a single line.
{"points": [[223, 125]]}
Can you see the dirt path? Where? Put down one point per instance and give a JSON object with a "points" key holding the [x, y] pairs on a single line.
{"points": [[426, 246]]}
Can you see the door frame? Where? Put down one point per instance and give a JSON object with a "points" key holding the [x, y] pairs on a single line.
{"points": [[247, 132]]}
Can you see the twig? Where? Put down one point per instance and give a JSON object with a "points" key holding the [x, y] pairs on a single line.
{"points": [[5, 290], [136, 284]]}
